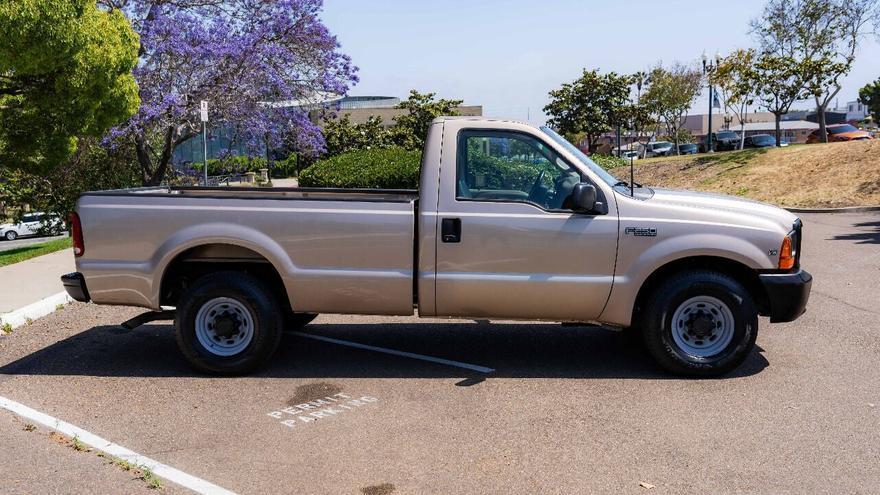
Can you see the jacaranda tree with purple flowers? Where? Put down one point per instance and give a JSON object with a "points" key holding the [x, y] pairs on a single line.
{"points": [[246, 57]]}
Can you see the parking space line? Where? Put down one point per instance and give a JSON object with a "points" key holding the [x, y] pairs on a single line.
{"points": [[448, 362], [169, 473]]}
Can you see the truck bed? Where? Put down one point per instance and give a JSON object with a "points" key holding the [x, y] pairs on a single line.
{"points": [[336, 251]]}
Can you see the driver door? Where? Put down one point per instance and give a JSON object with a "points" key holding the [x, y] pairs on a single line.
{"points": [[508, 246]]}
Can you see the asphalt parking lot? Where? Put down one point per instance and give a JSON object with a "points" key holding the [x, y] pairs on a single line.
{"points": [[519, 407]]}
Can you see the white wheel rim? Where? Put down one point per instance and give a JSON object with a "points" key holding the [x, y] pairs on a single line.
{"points": [[702, 326], [224, 326]]}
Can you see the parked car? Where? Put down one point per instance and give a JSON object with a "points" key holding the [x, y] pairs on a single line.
{"points": [[760, 141], [626, 154], [687, 149], [658, 148], [31, 224], [838, 133], [484, 236], [722, 141]]}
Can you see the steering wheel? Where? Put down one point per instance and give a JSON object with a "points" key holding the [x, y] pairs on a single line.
{"points": [[537, 184]]}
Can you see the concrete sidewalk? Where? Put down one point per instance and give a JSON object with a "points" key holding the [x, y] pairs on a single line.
{"points": [[28, 282]]}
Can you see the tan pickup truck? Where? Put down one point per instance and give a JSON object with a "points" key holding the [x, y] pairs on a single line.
{"points": [[510, 222]]}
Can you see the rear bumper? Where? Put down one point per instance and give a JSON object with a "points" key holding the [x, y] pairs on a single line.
{"points": [[75, 285], [787, 294]]}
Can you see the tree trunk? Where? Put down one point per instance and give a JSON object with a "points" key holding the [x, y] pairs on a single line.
{"points": [[820, 114], [778, 118], [153, 176]]}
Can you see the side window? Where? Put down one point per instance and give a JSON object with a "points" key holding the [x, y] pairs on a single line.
{"points": [[508, 166], [27, 218]]}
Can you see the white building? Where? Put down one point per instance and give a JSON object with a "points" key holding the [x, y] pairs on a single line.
{"points": [[855, 110]]}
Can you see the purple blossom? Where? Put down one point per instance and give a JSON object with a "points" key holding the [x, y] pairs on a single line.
{"points": [[243, 57]]}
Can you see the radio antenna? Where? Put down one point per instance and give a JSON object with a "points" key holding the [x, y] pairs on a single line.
{"points": [[632, 183]]}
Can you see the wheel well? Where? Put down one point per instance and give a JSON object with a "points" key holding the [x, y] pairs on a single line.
{"points": [[746, 276], [195, 262]]}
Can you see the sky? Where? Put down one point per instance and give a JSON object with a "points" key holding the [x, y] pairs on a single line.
{"points": [[507, 55]]}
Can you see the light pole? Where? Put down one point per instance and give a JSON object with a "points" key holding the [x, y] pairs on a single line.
{"points": [[708, 67]]}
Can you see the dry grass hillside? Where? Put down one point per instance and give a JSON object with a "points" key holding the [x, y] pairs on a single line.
{"points": [[815, 175]]}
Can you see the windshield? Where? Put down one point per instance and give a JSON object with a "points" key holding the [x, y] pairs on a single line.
{"points": [[763, 138], [584, 159], [841, 129], [726, 135]]}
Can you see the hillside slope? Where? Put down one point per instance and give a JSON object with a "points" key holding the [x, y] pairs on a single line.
{"points": [[816, 175]]}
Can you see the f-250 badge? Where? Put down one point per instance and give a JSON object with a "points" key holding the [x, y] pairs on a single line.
{"points": [[641, 231]]}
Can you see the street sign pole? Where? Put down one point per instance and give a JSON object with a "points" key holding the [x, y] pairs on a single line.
{"points": [[204, 117], [205, 141]]}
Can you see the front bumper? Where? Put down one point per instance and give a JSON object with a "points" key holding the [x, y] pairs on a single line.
{"points": [[787, 294], [75, 285]]}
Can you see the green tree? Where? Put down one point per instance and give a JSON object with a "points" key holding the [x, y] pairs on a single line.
{"points": [[870, 97], [778, 84], [591, 105], [91, 167], [822, 37], [638, 114], [671, 94], [734, 76], [411, 129], [65, 71]]}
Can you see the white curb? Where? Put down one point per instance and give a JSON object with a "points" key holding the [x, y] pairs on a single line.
{"points": [[33, 311]]}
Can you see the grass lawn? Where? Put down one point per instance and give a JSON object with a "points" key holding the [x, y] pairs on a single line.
{"points": [[27, 252], [810, 175]]}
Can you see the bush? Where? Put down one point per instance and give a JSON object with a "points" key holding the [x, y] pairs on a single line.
{"points": [[497, 173], [609, 161], [281, 169], [384, 168], [232, 165]]}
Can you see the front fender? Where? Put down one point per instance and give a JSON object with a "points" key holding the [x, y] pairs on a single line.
{"points": [[636, 265]]}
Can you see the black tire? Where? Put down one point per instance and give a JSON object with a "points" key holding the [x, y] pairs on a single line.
{"points": [[253, 296], [11, 235], [657, 325]]}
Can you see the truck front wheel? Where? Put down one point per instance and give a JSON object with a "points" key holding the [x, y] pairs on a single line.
{"points": [[228, 323], [700, 323]]}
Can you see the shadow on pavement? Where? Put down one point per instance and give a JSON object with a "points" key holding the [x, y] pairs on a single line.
{"points": [[513, 350], [869, 237]]}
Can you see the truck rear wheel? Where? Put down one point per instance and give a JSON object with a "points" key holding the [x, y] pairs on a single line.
{"points": [[228, 323], [700, 323]]}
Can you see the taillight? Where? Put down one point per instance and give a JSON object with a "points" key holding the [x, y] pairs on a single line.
{"points": [[786, 254], [76, 234]]}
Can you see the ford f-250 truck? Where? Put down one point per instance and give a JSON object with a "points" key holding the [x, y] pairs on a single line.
{"points": [[510, 221]]}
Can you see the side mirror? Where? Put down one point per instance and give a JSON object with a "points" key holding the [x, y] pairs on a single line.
{"points": [[583, 197]]}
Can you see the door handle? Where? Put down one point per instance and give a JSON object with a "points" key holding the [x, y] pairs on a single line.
{"points": [[450, 230]]}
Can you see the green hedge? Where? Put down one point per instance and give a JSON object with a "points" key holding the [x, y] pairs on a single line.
{"points": [[383, 168], [232, 165], [517, 174]]}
